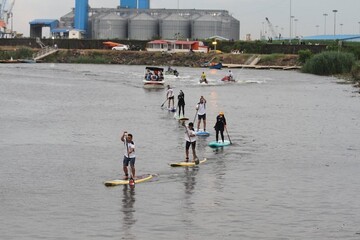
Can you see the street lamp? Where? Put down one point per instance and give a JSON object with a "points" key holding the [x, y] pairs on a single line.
{"points": [[214, 43], [290, 23], [335, 11], [325, 15]]}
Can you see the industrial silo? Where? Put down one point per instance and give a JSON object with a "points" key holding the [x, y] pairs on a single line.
{"points": [[144, 4], [128, 4], [111, 26], [225, 27], [234, 28], [206, 26], [81, 14], [67, 21], [143, 27], [175, 27]]}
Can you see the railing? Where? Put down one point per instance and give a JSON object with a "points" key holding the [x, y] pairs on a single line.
{"points": [[45, 51]]}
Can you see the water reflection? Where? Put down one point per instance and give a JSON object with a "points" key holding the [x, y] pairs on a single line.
{"points": [[190, 180], [128, 211]]}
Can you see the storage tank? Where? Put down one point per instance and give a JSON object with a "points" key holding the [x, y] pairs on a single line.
{"points": [[81, 15], [110, 26], [128, 4], [175, 27], [144, 4], [206, 26], [143, 27], [234, 29]]}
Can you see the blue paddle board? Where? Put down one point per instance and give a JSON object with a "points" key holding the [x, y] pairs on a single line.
{"points": [[216, 144], [172, 109], [202, 133]]}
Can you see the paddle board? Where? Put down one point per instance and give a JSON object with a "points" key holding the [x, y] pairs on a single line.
{"points": [[172, 109], [138, 179], [216, 144], [181, 118], [201, 132], [186, 164]]}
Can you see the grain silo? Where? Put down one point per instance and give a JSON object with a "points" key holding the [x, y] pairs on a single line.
{"points": [[206, 26], [110, 26], [81, 14], [235, 29], [144, 4], [143, 27], [132, 4], [175, 27]]}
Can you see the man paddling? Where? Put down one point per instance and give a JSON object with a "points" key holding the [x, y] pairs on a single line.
{"points": [[170, 97], [220, 125], [129, 155], [201, 112], [190, 138]]}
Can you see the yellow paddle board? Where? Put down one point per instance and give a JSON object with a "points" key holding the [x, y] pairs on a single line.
{"points": [[138, 179], [186, 164]]}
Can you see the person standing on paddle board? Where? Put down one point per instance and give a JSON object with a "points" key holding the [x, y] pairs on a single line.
{"points": [[181, 103], [190, 138], [219, 126], [201, 112], [170, 97], [129, 154]]}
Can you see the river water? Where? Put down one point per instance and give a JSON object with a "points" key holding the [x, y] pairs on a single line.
{"points": [[292, 171]]}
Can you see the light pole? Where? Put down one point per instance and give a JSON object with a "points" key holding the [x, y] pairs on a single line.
{"points": [[290, 23], [334, 11], [317, 29], [325, 15], [359, 27], [341, 25]]}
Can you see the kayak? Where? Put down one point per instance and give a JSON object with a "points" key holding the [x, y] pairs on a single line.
{"points": [[138, 179], [186, 164], [216, 144]]}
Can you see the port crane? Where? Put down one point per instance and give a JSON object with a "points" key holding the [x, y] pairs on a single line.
{"points": [[273, 32], [6, 14]]}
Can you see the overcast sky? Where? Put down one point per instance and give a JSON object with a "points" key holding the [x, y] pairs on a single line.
{"points": [[250, 13]]}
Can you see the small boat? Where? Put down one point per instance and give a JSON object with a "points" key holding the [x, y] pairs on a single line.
{"points": [[171, 71], [216, 66], [154, 77]]}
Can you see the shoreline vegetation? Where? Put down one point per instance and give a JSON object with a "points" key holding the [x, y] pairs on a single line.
{"points": [[343, 65]]}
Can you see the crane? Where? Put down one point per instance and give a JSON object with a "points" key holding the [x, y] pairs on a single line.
{"points": [[274, 34], [5, 15]]}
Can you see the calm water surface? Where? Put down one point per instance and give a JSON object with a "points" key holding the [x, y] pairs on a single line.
{"points": [[291, 173]]}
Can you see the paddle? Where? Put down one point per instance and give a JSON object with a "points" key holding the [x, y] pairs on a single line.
{"points": [[195, 116], [164, 103], [187, 133], [228, 135], [131, 180]]}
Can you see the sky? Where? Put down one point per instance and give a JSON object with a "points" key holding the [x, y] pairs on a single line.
{"points": [[308, 15]]}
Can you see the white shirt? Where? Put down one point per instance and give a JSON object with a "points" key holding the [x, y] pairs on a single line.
{"points": [[130, 146], [201, 108], [170, 92], [190, 133]]}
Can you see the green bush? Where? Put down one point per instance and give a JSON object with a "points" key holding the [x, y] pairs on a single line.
{"points": [[355, 71], [304, 55], [329, 63]]}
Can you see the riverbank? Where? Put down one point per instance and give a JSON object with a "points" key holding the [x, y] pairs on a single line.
{"points": [[97, 56]]}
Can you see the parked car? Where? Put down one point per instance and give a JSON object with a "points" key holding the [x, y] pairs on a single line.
{"points": [[121, 47]]}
